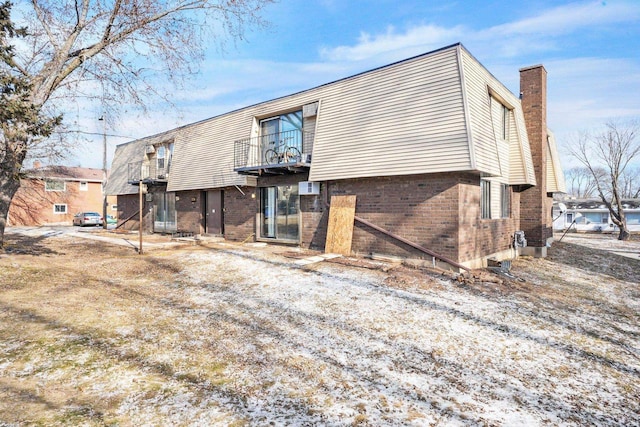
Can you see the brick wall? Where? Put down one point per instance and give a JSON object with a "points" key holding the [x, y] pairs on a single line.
{"points": [[189, 208], [127, 206], [421, 209], [535, 204], [480, 237], [33, 205], [240, 213], [440, 212]]}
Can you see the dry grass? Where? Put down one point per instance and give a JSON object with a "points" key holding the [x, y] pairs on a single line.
{"points": [[94, 334]]}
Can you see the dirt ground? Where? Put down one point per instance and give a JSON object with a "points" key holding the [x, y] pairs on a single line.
{"points": [[91, 333]]}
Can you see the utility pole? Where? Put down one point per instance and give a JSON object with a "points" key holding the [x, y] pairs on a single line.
{"points": [[103, 119], [141, 206]]}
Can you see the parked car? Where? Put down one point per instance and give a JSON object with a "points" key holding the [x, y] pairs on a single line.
{"points": [[111, 219], [87, 218]]}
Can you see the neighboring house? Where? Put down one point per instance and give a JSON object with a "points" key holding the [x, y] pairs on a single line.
{"points": [[439, 154], [51, 195], [594, 216]]}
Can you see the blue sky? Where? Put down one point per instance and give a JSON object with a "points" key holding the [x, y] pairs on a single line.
{"points": [[591, 50]]}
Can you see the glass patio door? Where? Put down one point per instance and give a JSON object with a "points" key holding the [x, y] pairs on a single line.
{"points": [[280, 211], [164, 212]]}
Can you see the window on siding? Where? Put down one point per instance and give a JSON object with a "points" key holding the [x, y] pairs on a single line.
{"points": [[596, 217], [84, 186], [170, 156], [485, 199], [504, 122], [60, 209], [633, 218], [160, 153], [50, 185], [505, 201]]}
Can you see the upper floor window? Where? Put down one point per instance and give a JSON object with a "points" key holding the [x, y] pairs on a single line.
{"points": [[282, 123], [51, 185], [282, 131], [170, 156], [160, 156], [504, 122], [501, 115], [84, 186]]}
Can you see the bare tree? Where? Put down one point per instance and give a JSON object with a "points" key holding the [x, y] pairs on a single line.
{"points": [[112, 51], [631, 184], [613, 149], [580, 182]]}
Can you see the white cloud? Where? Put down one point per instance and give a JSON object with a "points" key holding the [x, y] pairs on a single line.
{"points": [[534, 34], [416, 39], [566, 19]]}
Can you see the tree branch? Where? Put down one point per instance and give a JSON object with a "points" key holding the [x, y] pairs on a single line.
{"points": [[45, 24]]}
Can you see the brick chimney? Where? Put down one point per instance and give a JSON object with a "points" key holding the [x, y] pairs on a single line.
{"points": [[535, 202]]}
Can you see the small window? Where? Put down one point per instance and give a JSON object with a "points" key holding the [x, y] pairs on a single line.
{"points": [[170, 155], [60, 209], [485, 199], [50, 185], [160, 153], [114, 207], [505, 123], [84, 186], [505, 201]]}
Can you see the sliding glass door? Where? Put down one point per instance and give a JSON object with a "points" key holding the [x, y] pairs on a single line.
{"points": [[280, 213], [165, 212]]}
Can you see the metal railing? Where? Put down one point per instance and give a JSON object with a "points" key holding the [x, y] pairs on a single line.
{"points": [[147, 171], [274, 150]]}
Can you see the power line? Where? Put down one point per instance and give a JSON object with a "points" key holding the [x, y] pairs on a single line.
{"points": [[100, 134]]}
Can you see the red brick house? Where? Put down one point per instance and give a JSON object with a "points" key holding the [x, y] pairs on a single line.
{"points": [[439, 154], [51, 195]]}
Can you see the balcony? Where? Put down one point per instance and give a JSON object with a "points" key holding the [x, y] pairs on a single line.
{"points": [[148, 173], [275, 154]]}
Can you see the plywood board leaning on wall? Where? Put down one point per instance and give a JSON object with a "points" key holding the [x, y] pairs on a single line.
{"points": [[340, 228]]}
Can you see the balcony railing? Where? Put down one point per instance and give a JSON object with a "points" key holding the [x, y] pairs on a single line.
{"points": [[289, 150], [147, 173]]}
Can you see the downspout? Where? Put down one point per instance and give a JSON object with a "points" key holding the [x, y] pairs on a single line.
{"points": [[398, 238]]}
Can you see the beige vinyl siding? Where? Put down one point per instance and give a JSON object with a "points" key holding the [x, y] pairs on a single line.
{"points": [[132, 152], [480, 86], [555, 177], [403, 119], [203, 154], [521, 172], [309, 128], [502, 144], [410, 117], [480, 119]]}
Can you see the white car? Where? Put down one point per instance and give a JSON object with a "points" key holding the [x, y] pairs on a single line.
{"points": [[87, 218]]}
